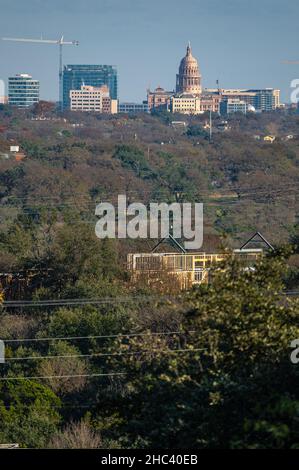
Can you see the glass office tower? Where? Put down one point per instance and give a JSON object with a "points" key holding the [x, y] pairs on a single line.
{"points": [[23, 91], [74, 76], [265, 99]]}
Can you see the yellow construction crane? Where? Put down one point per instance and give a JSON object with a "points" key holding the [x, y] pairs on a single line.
{"points": [[60, 42]]}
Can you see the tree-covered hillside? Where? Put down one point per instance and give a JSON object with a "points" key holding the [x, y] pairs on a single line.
{"points": [[75, 160], [93, 360]]}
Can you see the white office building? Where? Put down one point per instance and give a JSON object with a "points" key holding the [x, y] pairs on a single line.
{"points": [[23, 91]]}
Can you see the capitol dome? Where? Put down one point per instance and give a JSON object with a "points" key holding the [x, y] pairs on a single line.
{"points": [[188, 78], [188, 60]]}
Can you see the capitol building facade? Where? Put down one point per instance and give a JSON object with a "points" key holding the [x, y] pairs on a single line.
{"points": [[188, 80], [190, 98]]}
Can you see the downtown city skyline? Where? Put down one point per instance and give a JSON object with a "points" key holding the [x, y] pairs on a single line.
{"points": [[233, 43]]}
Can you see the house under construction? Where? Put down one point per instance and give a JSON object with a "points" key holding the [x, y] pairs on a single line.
{"points": [[182, 270]]}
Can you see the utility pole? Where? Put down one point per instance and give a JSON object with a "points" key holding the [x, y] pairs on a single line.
{"points": [[60, 42], [211, 131], [219, 94]]}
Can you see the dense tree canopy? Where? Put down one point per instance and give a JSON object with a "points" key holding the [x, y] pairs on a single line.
{"points": [[96, 360]]}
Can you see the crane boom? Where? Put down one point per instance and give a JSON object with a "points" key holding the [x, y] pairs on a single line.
{"points": [[296, 62], [44, 41], [59, 42], [49, 41]]}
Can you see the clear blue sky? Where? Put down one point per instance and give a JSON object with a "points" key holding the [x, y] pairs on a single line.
{"points": [[240, 42]]}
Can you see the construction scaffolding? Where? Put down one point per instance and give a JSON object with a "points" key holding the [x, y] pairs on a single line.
{"points": [[182, 269]]}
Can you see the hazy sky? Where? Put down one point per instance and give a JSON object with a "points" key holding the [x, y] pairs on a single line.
{"points": [[239, 42]]}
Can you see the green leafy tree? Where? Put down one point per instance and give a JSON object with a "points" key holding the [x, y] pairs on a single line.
{"points": [[28, 413], [235, 386], [133, 158], [75, 252]]}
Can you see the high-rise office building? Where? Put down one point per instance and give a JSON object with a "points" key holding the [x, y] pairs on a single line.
{"points": [[265, 99], [74, 76], [23, 91]]}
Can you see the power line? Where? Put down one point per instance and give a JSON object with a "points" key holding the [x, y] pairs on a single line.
{"points": [[29, 208], [104, 301], [130, 192], [236, 192], [49, 377], [67, 356], [71, 338], [62, 406], [74, 302]]}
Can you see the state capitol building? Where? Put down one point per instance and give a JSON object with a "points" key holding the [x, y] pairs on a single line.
{"points": [[190, 98]]}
